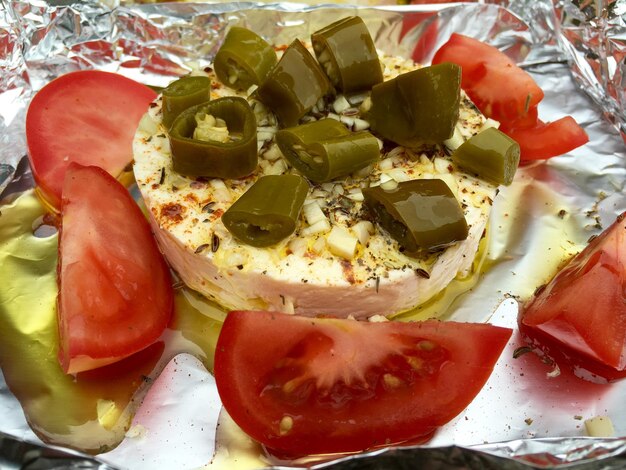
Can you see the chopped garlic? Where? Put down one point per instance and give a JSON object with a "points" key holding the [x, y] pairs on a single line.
{"points": [[361, 124], [148, 125], [490, 123], [340, 104], [208, 128], [298, 246], [386, 164], [341, 242], [356, 195], [277, 168], [321, 226], [455, 141], [389, 185], [347, 120], [441, 165], [363, 229], [399, 175], [313, 213], [273, 153], [600, 426]]}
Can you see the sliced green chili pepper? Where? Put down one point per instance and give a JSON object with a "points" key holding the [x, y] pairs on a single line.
{"points": [[182, 94], [244, 59], [492, 155], [417, 107], [268, 211], [347, 53], [323, 150], [294, 86], [421, 215], [231, 154]]}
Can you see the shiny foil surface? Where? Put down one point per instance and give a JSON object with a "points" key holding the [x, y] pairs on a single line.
{"points": [[164, 408]]}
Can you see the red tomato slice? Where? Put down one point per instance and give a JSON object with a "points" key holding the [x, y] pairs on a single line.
{"points": [[548, 140], [88, 117], [579, 319], [309, 386], [115, 291], [499, 88]]}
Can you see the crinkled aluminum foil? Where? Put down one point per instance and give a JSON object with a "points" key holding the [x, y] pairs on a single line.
{"points": [[544, 217], [594, 36]]}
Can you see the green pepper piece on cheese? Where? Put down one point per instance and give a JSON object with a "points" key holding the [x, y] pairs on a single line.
{"points": [[294, 86], [268, 211], [491, 154], [324, 150], [244, 59], [182, 94], [417, 107], [421, 215], [215, 139], [347, 53]]}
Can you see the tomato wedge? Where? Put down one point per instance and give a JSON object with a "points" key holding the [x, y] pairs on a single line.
{"points": [[499, 88], [579, 318], [115, 290], [545, 140], [308, 386], [88, 117], [508, 94]]}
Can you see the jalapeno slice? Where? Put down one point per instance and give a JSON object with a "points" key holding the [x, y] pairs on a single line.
{"points": [[222, 152], [267, 212], [491, 154], [182, 94], [324, 150], [421, 215], [294, 86], [346, 52], [244, 59], [417, 107]]}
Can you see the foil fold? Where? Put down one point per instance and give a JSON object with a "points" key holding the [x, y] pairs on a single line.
{"points": [[594, 36]]}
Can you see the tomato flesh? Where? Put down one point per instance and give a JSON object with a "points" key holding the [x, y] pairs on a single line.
{"points": [[579, 318], [499, 88], [508, 94], [309, 386], [115, 290], [88, 117], [541, 140]]}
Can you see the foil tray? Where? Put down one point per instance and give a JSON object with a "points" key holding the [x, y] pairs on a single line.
{"points": [[522, 418]]}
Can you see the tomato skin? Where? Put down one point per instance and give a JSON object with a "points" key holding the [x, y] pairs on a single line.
{"points": [[542, 140], [340, 385], [499, 88], [88, 117], [579, 318], [115, 290]]}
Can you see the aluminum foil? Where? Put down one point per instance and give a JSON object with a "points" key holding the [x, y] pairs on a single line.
{"points": [[538, 222], [594, 36]]}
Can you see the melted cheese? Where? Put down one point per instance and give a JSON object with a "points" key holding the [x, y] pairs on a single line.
{"points": [[313, 271]]}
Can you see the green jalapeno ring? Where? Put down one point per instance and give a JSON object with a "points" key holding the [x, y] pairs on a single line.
{"points": [[294, 85], [346, 51], [244, 59], [324, 150], [214, 159], [182, 94], [418, 107], [423, 216], [491, 154], [268, 211]]}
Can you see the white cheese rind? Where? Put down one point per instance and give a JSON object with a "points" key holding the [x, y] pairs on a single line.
{"points": [[309, 279]]}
